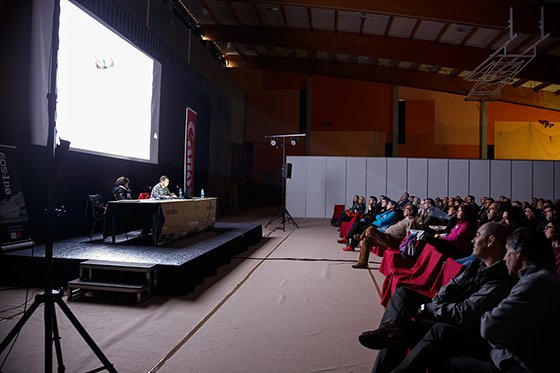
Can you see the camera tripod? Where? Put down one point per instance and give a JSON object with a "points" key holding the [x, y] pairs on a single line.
{"points": [[50, 297]]}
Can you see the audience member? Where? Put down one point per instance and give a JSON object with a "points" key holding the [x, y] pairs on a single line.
{"points": [[514, 218], [457, 244], [519, 334], [361, 224], [389, 236], [410, 314], [549, 212], [493, 213], [552, 233], [402, 201], [358, 207]]}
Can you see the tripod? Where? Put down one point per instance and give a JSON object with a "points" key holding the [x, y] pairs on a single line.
{"points": [[50, 297], [283, 216]]}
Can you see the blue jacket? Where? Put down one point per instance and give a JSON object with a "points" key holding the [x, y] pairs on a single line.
{"points": [[385, 219]]}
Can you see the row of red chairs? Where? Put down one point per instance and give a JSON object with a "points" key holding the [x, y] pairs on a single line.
{"points": [[427, 273]]}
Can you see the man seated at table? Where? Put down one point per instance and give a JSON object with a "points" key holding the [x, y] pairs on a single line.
{"points": [[161, 190]]}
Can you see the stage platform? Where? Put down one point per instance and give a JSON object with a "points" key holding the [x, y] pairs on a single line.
{"points": [[181, 264]]}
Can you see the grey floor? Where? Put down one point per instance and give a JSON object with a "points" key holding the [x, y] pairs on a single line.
{"points": [[290, 304]]}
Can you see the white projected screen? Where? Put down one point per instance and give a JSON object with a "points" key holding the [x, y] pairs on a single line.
{"points": [[108, 90]]}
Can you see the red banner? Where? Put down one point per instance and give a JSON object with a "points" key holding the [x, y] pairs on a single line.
{"points": [[190, 142]]}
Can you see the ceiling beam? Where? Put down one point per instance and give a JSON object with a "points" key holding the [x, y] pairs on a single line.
{"points": [[481, 13], [541, 69], [395, 76]]}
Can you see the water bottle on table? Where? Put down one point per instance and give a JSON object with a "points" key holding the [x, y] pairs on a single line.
{"points": [[202, 193]]}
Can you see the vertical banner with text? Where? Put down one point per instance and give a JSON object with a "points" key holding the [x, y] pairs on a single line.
{"points": [[190, 146], [14, 227]]}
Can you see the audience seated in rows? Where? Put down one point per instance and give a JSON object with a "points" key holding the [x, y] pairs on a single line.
{"points": [[358, 226], [386, 232], [518, 335], [410, 314], [358, 207], [457, 244]]}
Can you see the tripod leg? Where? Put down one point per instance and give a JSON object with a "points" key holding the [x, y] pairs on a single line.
{"points": [[17, 328], [91, 343], [290, 219], [56, 339]]}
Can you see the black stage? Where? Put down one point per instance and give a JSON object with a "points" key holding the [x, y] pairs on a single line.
{"points": [[181, 263]]}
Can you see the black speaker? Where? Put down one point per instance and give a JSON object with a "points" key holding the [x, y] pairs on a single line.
{"points": [[287, 170], [388, 149], [490, 151]]}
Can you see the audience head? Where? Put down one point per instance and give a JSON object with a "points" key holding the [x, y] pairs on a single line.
{"points": [[514, 217], [493, 210], [355, 198], [489, 243], [361, 200], [469, 199], [549, 212], [410, 210], [552, 231], [391, 205], [465, 212], [530, 213], [525, 247]]}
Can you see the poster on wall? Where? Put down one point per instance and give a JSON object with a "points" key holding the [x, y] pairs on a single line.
{"points": [[190, 142], [14, 227]]}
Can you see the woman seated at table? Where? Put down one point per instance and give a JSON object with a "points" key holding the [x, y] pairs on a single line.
{"points": [[122, 189]]}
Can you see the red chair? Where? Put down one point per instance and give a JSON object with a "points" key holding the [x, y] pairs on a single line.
{"points": [[393, 259], [346, 225], [421, 276], [336, 213], [449, 270]]}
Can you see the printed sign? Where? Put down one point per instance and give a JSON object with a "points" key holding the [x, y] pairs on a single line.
{"points": [[190, 146], [14, 227]]}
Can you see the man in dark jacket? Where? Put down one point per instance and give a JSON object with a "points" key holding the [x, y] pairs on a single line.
{"points": [[519, 335], [410, 314]]}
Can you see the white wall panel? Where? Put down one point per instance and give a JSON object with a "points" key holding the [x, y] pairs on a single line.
{"points": [[336, 184], [437, 178], [396, 177], [417, 177], [543, 179], [521, 180], [376, 176], [479, 178], [296, 186], [500, 178], [355, 177], [318, 183], [458, 177], [316, 187]]}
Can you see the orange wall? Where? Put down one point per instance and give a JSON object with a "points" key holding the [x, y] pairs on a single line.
{"points": [[504, 112], [420, 139], [350, 105], [354, 118]]}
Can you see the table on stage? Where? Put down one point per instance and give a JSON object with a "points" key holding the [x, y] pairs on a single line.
{"points": [[168, 219]]}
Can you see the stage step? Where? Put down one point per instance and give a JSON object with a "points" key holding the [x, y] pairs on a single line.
{"points": [[92, 268]]}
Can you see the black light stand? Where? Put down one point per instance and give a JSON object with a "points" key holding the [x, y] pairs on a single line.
{"points": [[283, 215], [50, 296]]}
